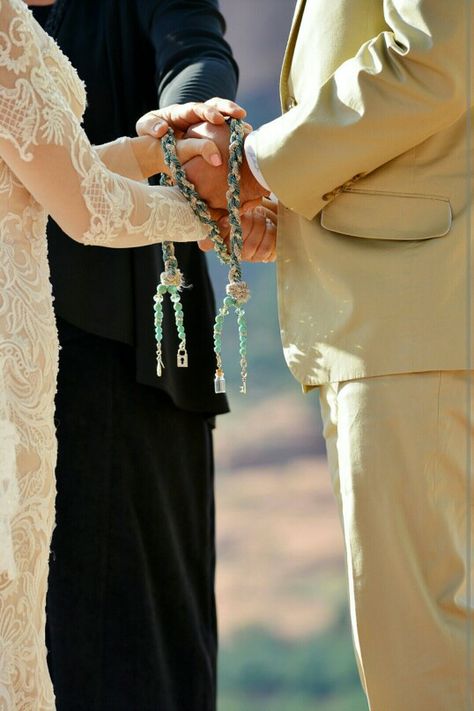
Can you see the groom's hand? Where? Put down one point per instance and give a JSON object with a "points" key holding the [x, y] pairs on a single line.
{"points": [[211, 182], [259, 227]]}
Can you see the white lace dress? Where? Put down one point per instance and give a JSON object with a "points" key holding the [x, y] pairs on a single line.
{"points": [[47, 166]]}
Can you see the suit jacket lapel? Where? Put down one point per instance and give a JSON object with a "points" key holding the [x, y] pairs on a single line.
{"points": [[290, 46]]}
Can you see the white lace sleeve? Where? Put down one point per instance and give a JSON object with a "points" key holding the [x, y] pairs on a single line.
{"points": [[43, 143], [9, 495], [119, 157]]}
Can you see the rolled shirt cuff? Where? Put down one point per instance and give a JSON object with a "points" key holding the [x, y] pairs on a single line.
{"points": [[252, 160]]}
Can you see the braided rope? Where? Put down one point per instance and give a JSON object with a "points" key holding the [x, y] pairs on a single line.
{"points": [[198, 205], [237, 290], [233, 198]]}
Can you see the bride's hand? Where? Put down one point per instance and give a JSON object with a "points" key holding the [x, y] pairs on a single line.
{"points": [[188, 148], [149, 153], [181, 116]]}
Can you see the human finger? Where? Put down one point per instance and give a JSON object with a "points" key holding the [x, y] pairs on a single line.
{"points": [[227, 107], [272, 207], [177, 116], [259, 236], [266, 250], [250, 205], [253, 228], [181, 116], [188, 148], [151, 124]]}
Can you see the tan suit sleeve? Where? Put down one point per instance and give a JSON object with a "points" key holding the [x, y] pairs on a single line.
{"points": [[401, 87]]}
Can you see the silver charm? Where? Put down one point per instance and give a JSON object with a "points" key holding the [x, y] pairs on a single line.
{"points": [[219, 383], [182, 358]]}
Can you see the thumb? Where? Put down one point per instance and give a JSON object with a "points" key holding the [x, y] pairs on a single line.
{"points": [[151, 125], [188, 148]]}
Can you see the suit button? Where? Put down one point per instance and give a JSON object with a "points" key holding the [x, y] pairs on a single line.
{"points": [[290, 103]]}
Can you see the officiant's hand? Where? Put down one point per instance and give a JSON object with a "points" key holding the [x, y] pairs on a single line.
{"points": [[181, 116], [259, 227], [210, 182]]}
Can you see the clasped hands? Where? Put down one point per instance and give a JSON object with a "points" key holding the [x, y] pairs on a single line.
{"points": [[203, 148]]}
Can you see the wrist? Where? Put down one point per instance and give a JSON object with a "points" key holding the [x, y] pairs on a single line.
{"points": [[253, 188], [149, 155]]}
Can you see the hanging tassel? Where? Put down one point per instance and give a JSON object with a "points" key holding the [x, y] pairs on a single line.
{"points": [[237, 292], [171, 282]]}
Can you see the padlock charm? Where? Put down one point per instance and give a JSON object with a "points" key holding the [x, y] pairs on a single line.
{"points": [[182, 358]]}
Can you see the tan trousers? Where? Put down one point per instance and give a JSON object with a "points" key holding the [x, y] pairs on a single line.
{"points": [[399, 450]]}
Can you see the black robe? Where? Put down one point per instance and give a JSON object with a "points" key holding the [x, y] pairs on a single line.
{"points": [[131, 605], [134, 55]]}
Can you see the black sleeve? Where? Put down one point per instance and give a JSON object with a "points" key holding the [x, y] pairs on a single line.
{"points": [[193, 61]]}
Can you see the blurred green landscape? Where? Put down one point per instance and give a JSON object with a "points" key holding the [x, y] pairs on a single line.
{"points": [[285, 641], [261, 672]]}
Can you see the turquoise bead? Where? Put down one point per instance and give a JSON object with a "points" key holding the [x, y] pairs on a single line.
{"points": [[162, 289], [172, 289], [228, 301], [178, 306]]}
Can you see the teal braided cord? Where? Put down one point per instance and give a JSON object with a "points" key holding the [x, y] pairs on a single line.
{"points": [[198, 205], [236, 150], [171, 282], [169, 259], [237, 290]]}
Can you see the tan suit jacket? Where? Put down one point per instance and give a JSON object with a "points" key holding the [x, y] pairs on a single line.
{"points": [[370, 162]]}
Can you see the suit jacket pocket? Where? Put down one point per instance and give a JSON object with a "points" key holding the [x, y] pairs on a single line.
{"points": [[391, 216]]}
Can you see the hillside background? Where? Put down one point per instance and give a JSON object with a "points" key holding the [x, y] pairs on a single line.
{"points": [[285, 636]]}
